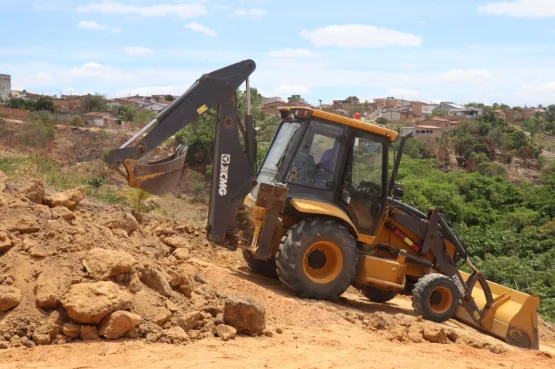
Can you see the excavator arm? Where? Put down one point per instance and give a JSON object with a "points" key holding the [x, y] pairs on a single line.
{"points": [[235, 146]]}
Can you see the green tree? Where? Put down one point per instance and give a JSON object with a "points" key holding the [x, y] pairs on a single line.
{"points": [[92, 103], [381, 120], [169, 98], [127, 112], [518, 139], [352, 100], [44, 103], [294, 98], [550, 113]]}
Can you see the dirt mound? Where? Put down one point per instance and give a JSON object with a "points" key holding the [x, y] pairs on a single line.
{"points": [[71, 270]]}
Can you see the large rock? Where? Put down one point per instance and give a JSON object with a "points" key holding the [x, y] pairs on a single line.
{"points": [[33, 190], [434, 334], [177, 242], [22, 224], [51, 285], [89, 333], [64, 213], [118, 323], [245, 314], [9, 297], [89, 303], [226, 332], [5, 242], [185, 285], [156, 279], [175, 335], [102, 264], [70, 198], [71, 330], [120, 220], [181, 254], [190, 320], [41, 338]]}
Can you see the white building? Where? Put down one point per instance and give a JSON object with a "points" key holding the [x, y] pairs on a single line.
{"points": [[5, 87], [156, 107]]}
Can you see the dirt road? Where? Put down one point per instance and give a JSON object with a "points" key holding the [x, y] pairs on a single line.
{"points": [[315, 334]]}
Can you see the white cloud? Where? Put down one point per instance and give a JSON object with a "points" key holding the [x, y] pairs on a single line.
{"points": [[465, 76], [292, 53], [250, 13], [359, 36], [542, 88], [92, 25], [138, 50], [197, 27], [219, 8], [188, 10], [404, 93], [45, 79], [422, 22], [521, 8], [288, 90], [252, 1], [96, 70], [408, 66], [95, 26]]}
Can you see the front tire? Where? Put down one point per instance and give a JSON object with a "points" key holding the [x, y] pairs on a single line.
{"points": [[266, 268], [317, 259], [377, 295], [435, 297]]}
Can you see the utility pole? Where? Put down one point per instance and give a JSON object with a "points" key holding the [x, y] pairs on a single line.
{"points": [[320, 100]]}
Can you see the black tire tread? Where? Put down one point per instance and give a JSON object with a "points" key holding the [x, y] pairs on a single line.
{"points": [[288, 254], [266, 268], [418, 292], [376, 295]]}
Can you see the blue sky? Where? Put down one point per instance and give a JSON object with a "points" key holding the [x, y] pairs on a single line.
{"points": [[485, 50]]}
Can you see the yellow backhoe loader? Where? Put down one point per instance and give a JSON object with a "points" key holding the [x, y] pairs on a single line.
{"points": [[324, 211]]}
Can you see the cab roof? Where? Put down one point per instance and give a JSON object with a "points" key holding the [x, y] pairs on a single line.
{"points": [[355, 123]]}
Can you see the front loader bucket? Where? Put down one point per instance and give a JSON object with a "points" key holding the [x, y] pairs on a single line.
{"points": [[512, 317], [156, 177]]}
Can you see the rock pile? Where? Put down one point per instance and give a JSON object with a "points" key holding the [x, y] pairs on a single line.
{"points": [[72, 270]]}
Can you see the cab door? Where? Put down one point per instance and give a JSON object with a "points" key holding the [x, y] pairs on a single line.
{"points": [[364, 189]]}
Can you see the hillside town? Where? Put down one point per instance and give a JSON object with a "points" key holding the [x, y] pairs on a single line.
{"points": [[425, 120]]}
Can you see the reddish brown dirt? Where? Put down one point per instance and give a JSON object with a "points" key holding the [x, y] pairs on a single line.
{"points": [[315, 334]]}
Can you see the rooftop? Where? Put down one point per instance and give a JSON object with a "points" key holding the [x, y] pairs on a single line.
{"points": [[429, 127]]}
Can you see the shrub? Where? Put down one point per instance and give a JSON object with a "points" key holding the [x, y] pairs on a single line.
{"points": [[137, 198], [37, 134], [76, 122]]}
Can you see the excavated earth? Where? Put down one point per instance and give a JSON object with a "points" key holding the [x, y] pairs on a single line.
{"points": [[86, 285]]}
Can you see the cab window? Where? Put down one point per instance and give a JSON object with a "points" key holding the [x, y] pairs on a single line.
{"points": [[315, 163]]}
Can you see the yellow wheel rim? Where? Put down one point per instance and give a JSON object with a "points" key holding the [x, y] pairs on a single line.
{"points": [[441, 300], [322, 262]]}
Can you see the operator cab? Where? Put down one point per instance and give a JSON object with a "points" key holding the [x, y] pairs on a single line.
{"points": [[334, 160]]}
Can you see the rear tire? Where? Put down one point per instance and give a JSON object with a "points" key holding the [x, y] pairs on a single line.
{"points": [[376, 295], [317, 259], [266, 268], [435, 297]]}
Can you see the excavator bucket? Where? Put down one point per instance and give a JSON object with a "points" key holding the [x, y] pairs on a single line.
{"points": [[156, 177], [512, 317]]}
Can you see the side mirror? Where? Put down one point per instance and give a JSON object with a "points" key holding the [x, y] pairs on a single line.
{"points": [[399, 191]]}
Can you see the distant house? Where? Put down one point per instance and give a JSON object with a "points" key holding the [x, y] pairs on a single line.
{"points": [[156, 107], [427, 109], [449, 108], [391, 102], [102, 119], [516, 116], [444, 124], [423, 132], [268, 100], [69, 104], [400, 114]]}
